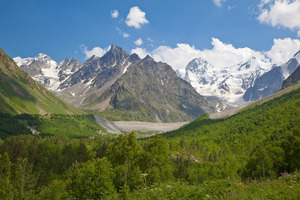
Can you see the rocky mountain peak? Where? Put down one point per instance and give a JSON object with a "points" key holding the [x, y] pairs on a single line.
{"points": [[133, 58], [116, 50], [115, 55], [250, 63], [41, 57], [74, 59], [64, 61], [114, 47], [148, 60]]}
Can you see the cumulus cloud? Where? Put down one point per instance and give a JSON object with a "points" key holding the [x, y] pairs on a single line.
{"points": [[280, 13], [218, 2], [138, 42], [222, 54], [97, 51], [283, 50], [114, 13], [136, 18], [177, 57]]}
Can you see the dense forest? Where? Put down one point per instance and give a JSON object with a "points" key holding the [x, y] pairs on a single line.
{"points": [[252, 155]]}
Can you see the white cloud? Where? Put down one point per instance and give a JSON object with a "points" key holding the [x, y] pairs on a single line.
{"points": [[97, 51], [149, 39], [142, 53], [114, 13], [136, 18], [125, 35], [280, 13], [218, 2], [119, 30], [283, 50], [177, 57], [226, 54], [222, 54], [138, 42], [231, 7]]}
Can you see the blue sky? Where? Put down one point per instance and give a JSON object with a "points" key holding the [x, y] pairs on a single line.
{"points": [[173, 31]]}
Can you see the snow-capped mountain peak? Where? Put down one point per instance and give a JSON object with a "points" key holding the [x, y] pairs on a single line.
{"points": [[47, 71], [198, 65], [22, 61], [42, 56], [228, 83]]}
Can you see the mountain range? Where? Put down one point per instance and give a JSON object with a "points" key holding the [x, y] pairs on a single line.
{"points": [[227, 83], [119, 85], [240, 83], [122, 84]]}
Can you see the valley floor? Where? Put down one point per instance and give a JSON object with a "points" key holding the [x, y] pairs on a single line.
{"points": [[128, 126]]}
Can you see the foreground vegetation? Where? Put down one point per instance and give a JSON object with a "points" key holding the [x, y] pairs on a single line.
{"points": [[252, 155], [60, 168]]}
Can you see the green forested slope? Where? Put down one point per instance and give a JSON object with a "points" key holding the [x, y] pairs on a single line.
{"points": [[261, 141], [19, 93]]}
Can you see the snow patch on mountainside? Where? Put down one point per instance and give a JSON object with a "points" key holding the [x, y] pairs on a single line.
{"points": [[125, 69]]}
